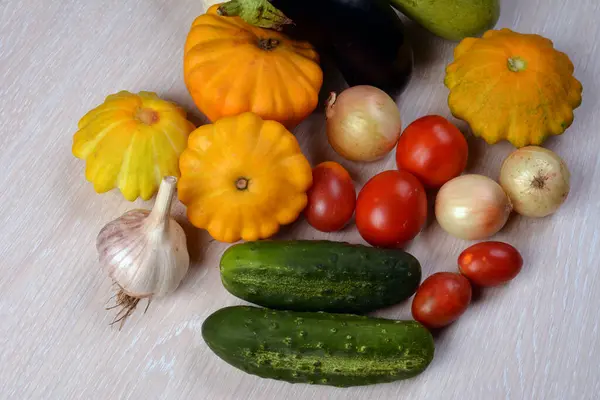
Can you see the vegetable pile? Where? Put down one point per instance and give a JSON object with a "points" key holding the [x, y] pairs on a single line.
{"points": [[252, 67]]}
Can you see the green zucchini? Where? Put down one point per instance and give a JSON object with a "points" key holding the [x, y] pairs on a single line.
{"points": [[304, 275], [318, 348]]}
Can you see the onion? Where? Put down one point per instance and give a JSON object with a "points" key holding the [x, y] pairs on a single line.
{"points": [[536, 180], [363, 123], [472, 207]]}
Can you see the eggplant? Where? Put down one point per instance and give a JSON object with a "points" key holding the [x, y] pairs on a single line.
{"points": [[364, 38]]}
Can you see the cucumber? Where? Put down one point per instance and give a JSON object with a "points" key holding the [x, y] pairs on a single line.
{"points": [[318, 348], [304, 275]]}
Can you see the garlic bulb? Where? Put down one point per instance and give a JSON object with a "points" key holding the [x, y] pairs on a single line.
{"points": [[145, 252]]}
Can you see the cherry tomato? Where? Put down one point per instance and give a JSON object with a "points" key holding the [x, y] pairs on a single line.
{"points": [[331, 199], [433, 150], [391, 209], [490, 263], [441, 299]]}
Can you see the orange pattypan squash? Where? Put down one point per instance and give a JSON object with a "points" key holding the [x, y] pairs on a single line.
{"points": [[242, 177], [232, 67], [131, 142], [512, 86]]}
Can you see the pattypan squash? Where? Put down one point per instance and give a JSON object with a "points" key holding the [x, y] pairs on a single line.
{"points": [[242, 177], [131, 142], [512, 86], [232, 67]]}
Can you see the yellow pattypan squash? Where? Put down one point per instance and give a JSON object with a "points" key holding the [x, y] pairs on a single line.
{"points": [[132, 141], [242, 177], [512, 86]]}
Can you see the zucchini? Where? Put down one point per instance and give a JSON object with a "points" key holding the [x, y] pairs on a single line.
{"points": [[318, 348], [304, 275]]}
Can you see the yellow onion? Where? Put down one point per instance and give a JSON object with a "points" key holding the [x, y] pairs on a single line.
{"points": [[472, 207], [536, 179], [363, 123]]}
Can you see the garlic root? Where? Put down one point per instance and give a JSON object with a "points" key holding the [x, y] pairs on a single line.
{"points": [[127, 306]]}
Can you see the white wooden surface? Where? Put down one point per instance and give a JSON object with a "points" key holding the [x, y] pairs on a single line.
{"points": [[536, 338]]}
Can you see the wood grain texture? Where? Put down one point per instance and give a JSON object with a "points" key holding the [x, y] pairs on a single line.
{"points": [[536, 338]]}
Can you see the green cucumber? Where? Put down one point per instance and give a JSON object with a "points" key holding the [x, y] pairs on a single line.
{"points": [[304, 275], [318, 348]]}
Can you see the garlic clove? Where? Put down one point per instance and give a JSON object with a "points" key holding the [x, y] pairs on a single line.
{"points": [[120, 244]]}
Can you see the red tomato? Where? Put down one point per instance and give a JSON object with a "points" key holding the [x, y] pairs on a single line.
{"points": [[391, 209], [441, 299], [433, 150], [331, 199], [490, 263]]}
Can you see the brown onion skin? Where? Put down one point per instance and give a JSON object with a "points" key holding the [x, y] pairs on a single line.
{"points": [[363, 123]]}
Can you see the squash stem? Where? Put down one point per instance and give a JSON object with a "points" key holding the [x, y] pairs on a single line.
{"points": [[516, 64], [242, 184], [268, 44], [255, 12], [147, 116]]}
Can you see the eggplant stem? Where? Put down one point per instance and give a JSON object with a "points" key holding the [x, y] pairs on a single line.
{"points": [[255, 12]]}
